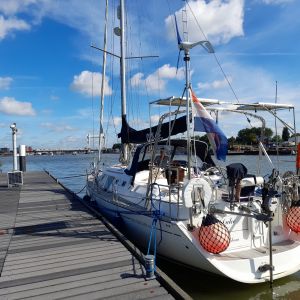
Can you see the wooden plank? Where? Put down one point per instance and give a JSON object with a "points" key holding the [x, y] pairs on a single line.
{"points": [[98, 291], [67, 262], [98, 282], [74, 255], [59, 250], [152, 293], [118, 271], [93, 245], [55, 245], [6, 282]]}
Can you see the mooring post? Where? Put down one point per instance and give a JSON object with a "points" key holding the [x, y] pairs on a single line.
{"points": [[150, 266], [22, 158]]}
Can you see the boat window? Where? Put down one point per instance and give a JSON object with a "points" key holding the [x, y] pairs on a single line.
{"points": [[180, 157], [102, 180], [123, 183], [108, 183], [144, 160]]}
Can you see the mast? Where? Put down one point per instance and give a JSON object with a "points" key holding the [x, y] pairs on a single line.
{"points": [[187, 90], [122, 59], [102, 85], [125, 149]]}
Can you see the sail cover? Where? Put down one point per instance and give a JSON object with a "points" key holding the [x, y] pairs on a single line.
{"points": [[130, 135]]}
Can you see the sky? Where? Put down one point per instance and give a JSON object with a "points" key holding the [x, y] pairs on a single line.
{"points": [[50, 76]]}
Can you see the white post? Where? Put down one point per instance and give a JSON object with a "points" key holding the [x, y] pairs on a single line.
{"points": [[14, 142], [22, 158]]}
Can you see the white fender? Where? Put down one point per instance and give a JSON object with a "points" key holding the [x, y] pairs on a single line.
{"points": [[249, 181], [190, 185]]}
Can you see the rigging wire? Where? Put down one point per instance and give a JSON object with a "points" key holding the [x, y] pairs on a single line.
{"points": [[276, 131], [214, 54], [93, 112], [218, 63], [113, 86]]}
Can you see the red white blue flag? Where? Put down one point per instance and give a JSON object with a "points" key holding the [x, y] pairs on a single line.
{"points": [[203, 122]]}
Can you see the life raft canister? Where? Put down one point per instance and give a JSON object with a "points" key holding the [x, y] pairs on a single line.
{"points": [[293, 217], [214, 236]]}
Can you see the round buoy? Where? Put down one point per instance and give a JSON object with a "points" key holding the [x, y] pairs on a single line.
{"points": [[214, 236], [293, 217]]}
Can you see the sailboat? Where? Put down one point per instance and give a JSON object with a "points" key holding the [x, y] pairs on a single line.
{"points": [[175, 201]]}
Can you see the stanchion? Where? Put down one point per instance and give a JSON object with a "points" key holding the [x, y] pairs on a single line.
{"points": [[298, 160]]}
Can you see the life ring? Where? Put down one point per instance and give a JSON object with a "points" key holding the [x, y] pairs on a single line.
{"points": [[189, 187]]}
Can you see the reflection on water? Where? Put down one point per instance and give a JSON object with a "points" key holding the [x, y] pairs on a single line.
{"points": [[71, 171], [203, 285]]}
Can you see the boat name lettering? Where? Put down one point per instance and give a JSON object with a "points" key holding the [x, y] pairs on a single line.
{"points": [[229, 221]]}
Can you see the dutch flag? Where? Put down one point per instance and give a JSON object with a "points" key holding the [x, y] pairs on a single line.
{"points": [[203, 122]]}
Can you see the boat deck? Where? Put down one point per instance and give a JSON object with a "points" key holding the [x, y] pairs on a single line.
{"points": [[52, 247], [259, 252]]}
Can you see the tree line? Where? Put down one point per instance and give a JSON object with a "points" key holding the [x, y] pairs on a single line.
{"points": [[252, 136], [247, 136]]}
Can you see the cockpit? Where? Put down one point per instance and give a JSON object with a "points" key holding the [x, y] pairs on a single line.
{"points": [[171, 156]]}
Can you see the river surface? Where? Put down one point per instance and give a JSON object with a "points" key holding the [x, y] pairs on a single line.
{"points": [[71, 170]]}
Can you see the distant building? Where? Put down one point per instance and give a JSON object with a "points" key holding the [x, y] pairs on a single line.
{"points": [[29, 149], [292, 140], [4, 150]]}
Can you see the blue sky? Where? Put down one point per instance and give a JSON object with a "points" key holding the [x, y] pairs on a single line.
{"points": [[50, 76]]}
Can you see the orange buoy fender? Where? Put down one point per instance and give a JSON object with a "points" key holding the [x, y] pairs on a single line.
{"points": [[214, 236], [293, 217]]}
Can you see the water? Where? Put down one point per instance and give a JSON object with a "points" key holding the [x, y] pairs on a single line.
{"points": [[71, 171]]}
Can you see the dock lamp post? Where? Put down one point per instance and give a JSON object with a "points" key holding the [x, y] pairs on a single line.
{"points": [[14, 130]]}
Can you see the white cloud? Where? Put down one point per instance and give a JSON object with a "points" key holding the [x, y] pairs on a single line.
{"points": [[220, 20], [10, 25], [137, 79], [117, 121], [10, 106], [56, 127], [73, 139], [80, 15], [216, 84], [12, 7], [54, 98], [157, 80], [47, 111], [89, 83], [5, 83], [276, 1], [154, 119], [139, 123]]}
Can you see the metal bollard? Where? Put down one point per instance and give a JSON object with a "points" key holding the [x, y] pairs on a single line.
{"points": [[149, 266]]}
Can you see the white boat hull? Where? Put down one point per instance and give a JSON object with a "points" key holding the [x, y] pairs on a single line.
{"points": [[175, 242]]}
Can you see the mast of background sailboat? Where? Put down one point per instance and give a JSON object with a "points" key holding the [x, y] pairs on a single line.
{"points": [[124, 153], [102, 85]]}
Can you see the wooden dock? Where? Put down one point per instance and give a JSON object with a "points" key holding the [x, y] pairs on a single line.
{"points": [[53, 247]]}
